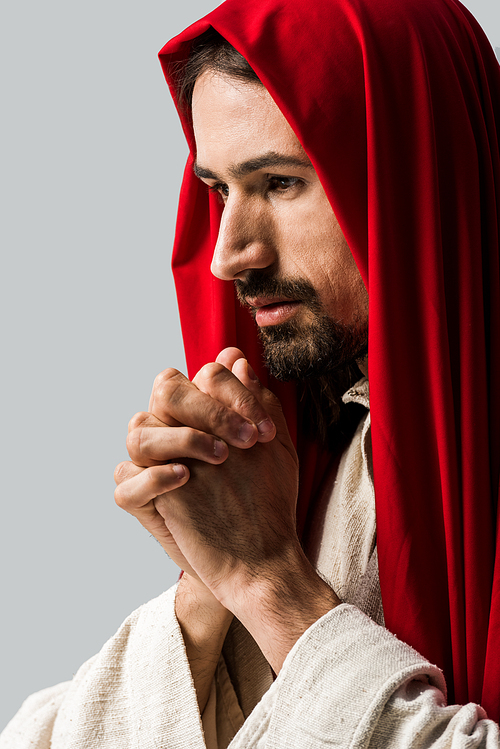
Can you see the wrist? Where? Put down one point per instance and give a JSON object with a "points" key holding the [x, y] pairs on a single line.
{"points": [[195, 603], [280, 603]]}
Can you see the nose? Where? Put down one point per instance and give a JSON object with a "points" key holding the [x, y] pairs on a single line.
{"points": [[245, 240]]}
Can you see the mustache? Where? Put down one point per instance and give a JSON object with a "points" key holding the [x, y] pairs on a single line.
{"points": [[258, 284]]}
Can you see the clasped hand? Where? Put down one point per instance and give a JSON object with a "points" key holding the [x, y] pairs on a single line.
{"points": [[214, 475]]}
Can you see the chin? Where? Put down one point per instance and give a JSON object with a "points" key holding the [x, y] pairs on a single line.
{"points": [[322, 348]]}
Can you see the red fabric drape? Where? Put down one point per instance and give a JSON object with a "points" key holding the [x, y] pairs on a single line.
{"points": [[397, 103]]}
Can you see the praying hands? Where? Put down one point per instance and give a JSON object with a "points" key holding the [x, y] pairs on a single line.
{"points": [[224, 511]]}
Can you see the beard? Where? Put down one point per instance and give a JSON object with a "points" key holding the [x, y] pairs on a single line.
{"points": [[320, 354], [303, 350]]}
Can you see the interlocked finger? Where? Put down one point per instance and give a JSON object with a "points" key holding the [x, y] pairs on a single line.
{"points": [[144, 419], [177, 401], [134, 493], [150, 446], [220, 383], [125, 471]]}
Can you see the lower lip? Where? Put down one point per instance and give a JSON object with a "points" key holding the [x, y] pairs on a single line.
{"points": [[273, 314]]}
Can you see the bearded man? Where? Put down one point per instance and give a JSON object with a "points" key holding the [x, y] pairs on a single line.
{"points": [[340, 151]]}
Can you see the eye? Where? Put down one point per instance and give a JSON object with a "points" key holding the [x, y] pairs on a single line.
{"points": [[221, 189], [282, 184]]}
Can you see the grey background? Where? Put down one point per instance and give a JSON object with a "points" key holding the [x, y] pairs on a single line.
{"points": [[91, 163]]}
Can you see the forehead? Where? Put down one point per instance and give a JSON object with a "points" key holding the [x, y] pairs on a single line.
{"points": [[235, 121]]}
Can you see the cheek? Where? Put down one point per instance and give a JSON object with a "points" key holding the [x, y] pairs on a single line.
{"points": [[347, 297], [303, 235], [343, 291], [311, 246]]}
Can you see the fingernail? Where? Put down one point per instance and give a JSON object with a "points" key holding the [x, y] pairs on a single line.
{"points": [[245, 432], [251, 373], [179, 470], [219, 448], [265, 426]]}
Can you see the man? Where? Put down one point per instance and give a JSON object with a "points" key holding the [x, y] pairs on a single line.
{"points": [[361, 160]]}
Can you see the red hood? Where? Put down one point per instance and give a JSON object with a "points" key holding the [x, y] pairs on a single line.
{"points": [[397, 104]]}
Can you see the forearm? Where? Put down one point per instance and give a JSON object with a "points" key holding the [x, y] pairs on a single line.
{"points": [[204, 623]]}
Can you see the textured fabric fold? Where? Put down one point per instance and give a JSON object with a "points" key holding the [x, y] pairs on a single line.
{"points": [[349, 683]]}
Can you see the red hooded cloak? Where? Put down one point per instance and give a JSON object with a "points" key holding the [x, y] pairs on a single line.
{"points": [[397, 104]]}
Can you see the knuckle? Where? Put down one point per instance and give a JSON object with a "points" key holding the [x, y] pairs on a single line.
{"points": [[138, 420], [138, 444], [245, 402], [184, 439], [168, 383], [209, 372], [135, 442], [120, 498], [157, 480], [121, 472], [193, 443], [214, 369], [164, 377], [220, 414]]}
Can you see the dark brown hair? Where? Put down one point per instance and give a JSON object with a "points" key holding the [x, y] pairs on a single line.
{"points": [[210, 51]]}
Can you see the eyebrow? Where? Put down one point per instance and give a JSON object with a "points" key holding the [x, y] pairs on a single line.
{"points": [[270, 159]]}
